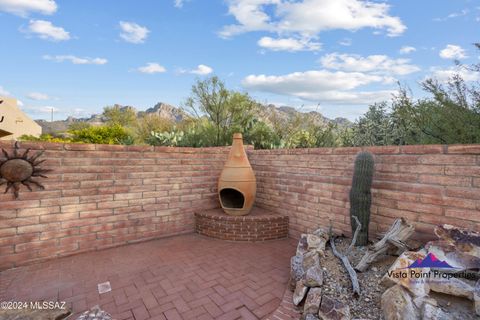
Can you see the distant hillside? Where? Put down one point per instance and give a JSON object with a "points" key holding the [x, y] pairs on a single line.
{"points": [[268, 113], [271, 113], [162, 109], [166, 111]]}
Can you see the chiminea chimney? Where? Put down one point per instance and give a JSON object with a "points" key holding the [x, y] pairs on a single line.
{"points": [[237, 184]]}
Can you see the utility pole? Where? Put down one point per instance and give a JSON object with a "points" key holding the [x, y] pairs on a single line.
{"points": [[52, 115]]}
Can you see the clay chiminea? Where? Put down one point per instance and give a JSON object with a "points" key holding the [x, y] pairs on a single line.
{"points": [[237, 184]]}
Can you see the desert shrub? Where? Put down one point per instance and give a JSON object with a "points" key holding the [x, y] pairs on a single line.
{"points": [[262, 136], [198, 133], [108, 134], [148, 123], [46, 138]]}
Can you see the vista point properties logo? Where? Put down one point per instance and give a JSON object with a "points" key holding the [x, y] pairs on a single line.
{"points": [[430, 261], [437, 270]]}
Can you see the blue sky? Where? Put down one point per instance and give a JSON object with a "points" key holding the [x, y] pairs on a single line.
{"points": [[333, 56]]}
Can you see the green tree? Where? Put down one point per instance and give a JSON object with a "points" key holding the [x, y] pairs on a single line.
{"points": [[226, 110], [450, 115], [123, 116], [328, 136], [374, 128]]}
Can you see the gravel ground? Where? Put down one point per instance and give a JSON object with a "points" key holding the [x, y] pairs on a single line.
{"points": [[337, 283]]}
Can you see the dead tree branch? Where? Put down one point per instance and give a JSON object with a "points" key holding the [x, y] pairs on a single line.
{"points": [[396, 236], [344, 258]]}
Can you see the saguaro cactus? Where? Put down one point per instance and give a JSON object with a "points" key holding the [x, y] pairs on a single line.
{"points": [[360, 195]]}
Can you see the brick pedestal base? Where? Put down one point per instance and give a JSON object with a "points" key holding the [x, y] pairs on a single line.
{"points": [[259, 225]]}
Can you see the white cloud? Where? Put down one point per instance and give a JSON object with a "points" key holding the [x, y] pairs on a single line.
{"points": [[407, 49], [445, 74], [288, 44], [202, 70], [310, 17], [24, 7], [374, 64], [312, 80], [179, 3], [313, 16], [38, 96], [249, 15], [152, 68], [453, 15], [342, 81], [4, 92], [76, 60], [453, 52], [46, 30], [321, 86], [133, 33], [40, 109], [20, 103], [345, 42]]}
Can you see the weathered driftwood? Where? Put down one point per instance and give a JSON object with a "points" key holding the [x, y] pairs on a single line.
{"points": [[345, 261], [476, 298], [396, 236]]}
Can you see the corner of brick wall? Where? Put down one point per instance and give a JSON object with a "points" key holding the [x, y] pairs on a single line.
{"points": [[428, 184], [101, 196]]}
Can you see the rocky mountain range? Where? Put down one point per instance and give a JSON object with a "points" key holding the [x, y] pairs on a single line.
{"points": [[268, 113]]}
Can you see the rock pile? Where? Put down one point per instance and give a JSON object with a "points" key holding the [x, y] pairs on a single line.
{"points": [[95, 313], [440, 281], [306, 280]]}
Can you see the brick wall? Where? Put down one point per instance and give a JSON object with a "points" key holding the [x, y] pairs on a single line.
{"points": [[429, 185], [100, 196]]}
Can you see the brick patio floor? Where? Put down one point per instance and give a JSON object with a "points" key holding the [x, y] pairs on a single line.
{"points": [[183, 277]]}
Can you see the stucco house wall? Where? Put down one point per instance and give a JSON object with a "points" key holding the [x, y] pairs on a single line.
{"points": [[14, 122]]}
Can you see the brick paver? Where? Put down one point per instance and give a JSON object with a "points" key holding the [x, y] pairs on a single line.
{"points": [[183, 277]]}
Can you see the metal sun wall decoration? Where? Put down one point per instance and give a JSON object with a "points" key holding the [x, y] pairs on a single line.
{"points": [[18, 170]]}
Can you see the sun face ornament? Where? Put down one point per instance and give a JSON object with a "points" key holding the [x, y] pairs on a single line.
{"points": [[19, 169]]}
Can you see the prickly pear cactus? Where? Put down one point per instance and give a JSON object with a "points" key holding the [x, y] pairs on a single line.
{"points": [[360, 195]]}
